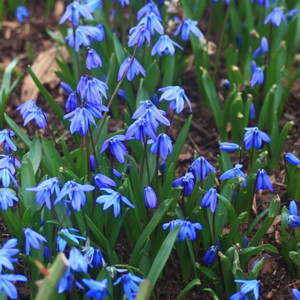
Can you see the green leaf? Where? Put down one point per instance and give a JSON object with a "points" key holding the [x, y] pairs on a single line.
{"points": [[35, 154], [144, 291], [189, 286]]}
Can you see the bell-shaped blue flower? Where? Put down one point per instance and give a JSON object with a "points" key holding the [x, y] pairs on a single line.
{"points": [[210, 199], [188, 26], [102, 181], [149, 7], [116, 147], [188, 230], [275, 17], [165, 45], [257, 74], [5, 137], [7, 199], [210, 255], [292, 159], [249, 286], [93, 60], [264, 48], [23, 108], [140, 128], [152, 22], [130, 284], [254, 138], [150, 197], [163, 144], [201, 167], [263, 181], [229, 147], [6, 177], [97, 289], [77, 261], [70, 234], [6, 252], [21, 13], [186, 182], [32, 239], [129, 68], [9, 162], [234, 173], [139, 35], [296, 294], [7, 284]]}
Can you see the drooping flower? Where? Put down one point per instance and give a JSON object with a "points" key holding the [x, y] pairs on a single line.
{"points": [[149, 7], [239, 296], [292, 159], [229, 147], [140, 128], [152, 23], [296, 294], [150, 197], [5, 137], [68, 282], [130, 284], [6, 252], [93, 5], [6, 177], [165, 45], [254, 138], [25, 107], [201, 167], [93, 60], [6, 284], [129, 68], [9, 162], [74, 11], [210, 255], [293, 219], [163, 144], [252, 112], [249, 286], [38, 115], [172, 224], [7, 200], [116, 147], [45, 190], [275, 17], [188, 229], [21, 13], [97, 289], [139, 35], [210, 199], [257, 74], [188, 26], [186, 182], [92, 89], [70, 234], [263, 181], [77, 262], [113, 199], [75, 193], [234, 173], [32, 239], [102, 181], [264, 48]]}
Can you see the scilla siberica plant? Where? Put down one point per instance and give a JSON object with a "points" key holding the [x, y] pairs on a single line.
{"points": [[104, 187]]}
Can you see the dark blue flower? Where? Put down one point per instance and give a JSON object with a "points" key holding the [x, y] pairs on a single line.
{"points": [[138, 35], [152, 23], [113, 199], [229, 147], [45, 190], [249, 286], [263, 181], [163, 144], [74, 11], [130, 67], [177, 96], [130, 285], [226, 84], [68, 282], [293, 219], [275, 17], [77, 261], [234, 173], [210, 199], [75, 193], [210, 255], [32, 239], [93, 60], [6, 178], [254, 138], [103, 181], [116, 147], [239, 296], [264, 48], [150, 197], [140, 128], [9, 162], [7, 200], [98, 289], [21, 13], [118, 175], [202, 167], [70, 234], [72, 100], [292, 159], [188, 229], [165, 45], [186, 182], [264, 3], [6, 252], [6, 284], [5, 137], [257, 74], [252, 112], [186, 27]]}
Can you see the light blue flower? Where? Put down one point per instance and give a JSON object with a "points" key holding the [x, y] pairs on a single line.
{"points": [[21, 13], [275, 17], [116, 147], [129, 68], [188, 26], [201, 167], [165, 45], [149, 7], [234, 173], [5, 137], [210, 199], [32, 239], [249, 286], [141, 128], [6, 178], [257, 74], [7, 200], [139, 35], [152, 23], [93, 60], [163, 144], [130, 285], [70, 234], [98, 289], [77, 261], [229, 147], [102, 181], [6, 252], [6, 284], [9, 162]]}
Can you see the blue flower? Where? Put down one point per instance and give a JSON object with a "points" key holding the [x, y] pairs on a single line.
{"points": [[9, 162], [6, 252], [70, 234], [291, 13], [254, 138], [113, 199], [150, 197], [67, 282], [152, 23], [292, 159], [177, 96], [72, 100], [74, 11], [229, 147], [5, 137], [118, 175], [124, 2], [163, 144], [263, 181], [93, 60], [23, 108], [130, 285], [226, 85], [7, 200], [103, 181], [92, 255], [6, 284], [210, 255], [186, 27], [234, 173], [202, 167], [148, 8], [188, 229], [293, 219], [275, 17], [138, 35], [93, 5], [257, 74], [130, 67], [140, 128], [252, 112], [172, 224], [165, 45], [98, 289], [75, 193], [186, 182], [249, 286], [45, 190], [38, 115], [77, 261], [264, 3], [6, 178], [210, 199], [32, 239], [296, 294], [293, 208], [239, 296], [264, 48], [21, 13], [116, 147]]}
